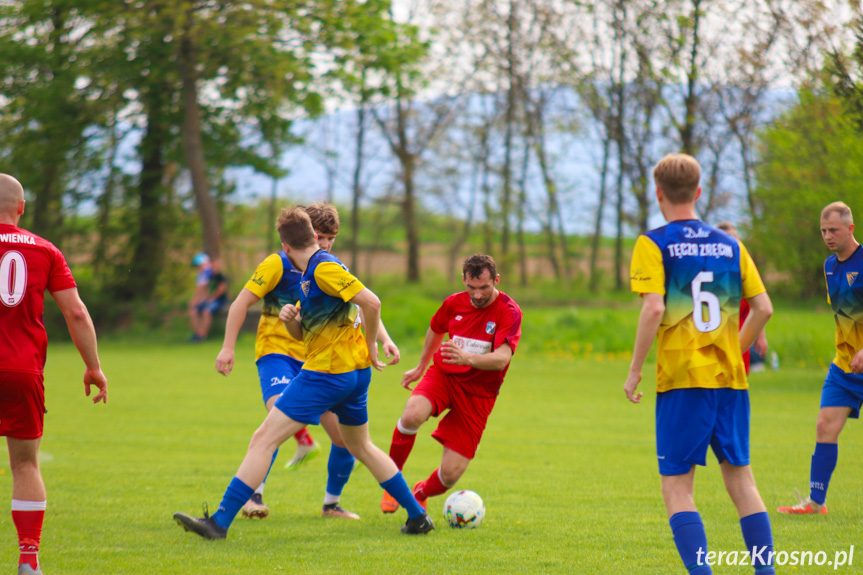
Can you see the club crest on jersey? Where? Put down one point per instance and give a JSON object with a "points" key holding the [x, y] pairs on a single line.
{"points": [[689, 233], [305, 286], [490, 327], [851, 277]]}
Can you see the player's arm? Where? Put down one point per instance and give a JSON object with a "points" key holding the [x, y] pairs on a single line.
{"points": [[370, 306], [652, 310], [84, 335], [388, 346], [290, 316], [760, 310], [236, 317], [494, 361], [430, 346]]}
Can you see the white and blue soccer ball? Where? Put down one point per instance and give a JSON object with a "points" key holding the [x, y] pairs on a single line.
{"points": [[464, 510]]}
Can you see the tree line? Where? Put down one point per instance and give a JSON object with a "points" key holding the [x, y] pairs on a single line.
{"points": [[129, 114]]}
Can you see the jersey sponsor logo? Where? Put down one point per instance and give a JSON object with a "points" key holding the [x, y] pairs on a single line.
{"points": [[17, 239], [637, 275], [305, 286], [458, 318], [474, 346], [490, 327], [344, 284], [691, 234], [279, 380], [258, 280], [851, 277], [703, 250]]}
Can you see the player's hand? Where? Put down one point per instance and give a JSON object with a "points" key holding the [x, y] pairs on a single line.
{"points": [[373, 356], [289, 312], [631, 385], [225, 361], [761, 345], [97, 378], [411, 376], [453, 354], [392, 352], [857, 362]]}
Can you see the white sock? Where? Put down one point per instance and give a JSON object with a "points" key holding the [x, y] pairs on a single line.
{"points": [[329, 498], [405, 430]]}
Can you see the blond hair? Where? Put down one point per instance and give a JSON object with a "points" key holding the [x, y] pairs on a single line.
{"points": [[325, 217], [840, 208], [295, 228], [678, 176]]}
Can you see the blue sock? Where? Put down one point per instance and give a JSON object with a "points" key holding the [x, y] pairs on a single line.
{"points": [[823, 464], [691, 541], [339, 468], [759, 537], [235, 497], [398, 488]]}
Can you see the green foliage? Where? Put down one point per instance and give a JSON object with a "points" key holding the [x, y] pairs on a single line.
{"points": [[561, 437], [812, 155]]}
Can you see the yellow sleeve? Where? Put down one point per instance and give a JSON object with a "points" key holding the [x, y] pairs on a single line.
{"points": [[267, 276], [752, 284], [646, 273], [336, 281]]}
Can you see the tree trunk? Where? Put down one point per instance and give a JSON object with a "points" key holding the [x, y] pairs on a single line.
{"points": [[193, 147], [358, 172], [597, 228], [409, 211]]}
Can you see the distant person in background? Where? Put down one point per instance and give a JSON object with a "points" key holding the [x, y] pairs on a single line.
{"points": [[760, 345], [29, 265], [211, 295], [842, 393]]}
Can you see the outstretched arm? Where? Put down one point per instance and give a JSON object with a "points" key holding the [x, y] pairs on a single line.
{"points": [[236, 318], [652, 310], [84, 335]]}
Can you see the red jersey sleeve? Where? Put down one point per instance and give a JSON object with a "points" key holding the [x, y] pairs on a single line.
{"points": [[440, 320], [60, 277], [509, 330]]}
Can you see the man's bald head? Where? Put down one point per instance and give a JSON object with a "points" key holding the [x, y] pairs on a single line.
{"points": [[11, 195]]}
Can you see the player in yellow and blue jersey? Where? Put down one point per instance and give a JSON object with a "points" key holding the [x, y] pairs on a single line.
{"points": [[335, 377], [279, 357], [842, 393], [692, 277]]}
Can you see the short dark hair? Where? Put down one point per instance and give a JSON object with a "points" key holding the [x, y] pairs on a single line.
{"points": [[325, 217], [475, 264], [295, 228]]}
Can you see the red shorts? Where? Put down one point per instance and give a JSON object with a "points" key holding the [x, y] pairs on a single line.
{"points": [[22, 405], [461, 428]]}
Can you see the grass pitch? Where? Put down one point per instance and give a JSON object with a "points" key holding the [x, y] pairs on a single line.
{"points": [[567, 470]]}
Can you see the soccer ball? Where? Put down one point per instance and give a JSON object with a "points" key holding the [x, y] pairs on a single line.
{"points": [[464, 510]]}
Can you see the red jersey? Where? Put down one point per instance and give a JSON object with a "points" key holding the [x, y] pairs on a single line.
{"points": [[28, 266], [477, 330]]}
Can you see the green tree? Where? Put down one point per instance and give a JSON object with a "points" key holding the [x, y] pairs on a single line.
{"points": [[811, 155]]}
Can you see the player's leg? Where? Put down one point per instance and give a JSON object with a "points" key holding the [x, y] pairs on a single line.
{"points": [[274, 431], [29, 499], [754, 521], [452, 467], [417, 411], [841, 398], [339, 468], [685, 521], [255, 506]]}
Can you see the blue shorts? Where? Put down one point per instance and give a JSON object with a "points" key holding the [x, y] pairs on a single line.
{"points": [[311, 393], [842, 390], [211, 306], [276, 370], [688, 420]]}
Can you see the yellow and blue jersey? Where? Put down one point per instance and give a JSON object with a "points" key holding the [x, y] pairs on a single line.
{"points": [[277, 283], [845, 296], [331, 326], [703, 273]]}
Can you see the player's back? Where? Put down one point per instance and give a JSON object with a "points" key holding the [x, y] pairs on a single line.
{"points": [[28, 266], [845, 295], [702, 282]]}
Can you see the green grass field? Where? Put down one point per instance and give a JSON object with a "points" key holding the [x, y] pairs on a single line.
{"points": [[567, 470]]}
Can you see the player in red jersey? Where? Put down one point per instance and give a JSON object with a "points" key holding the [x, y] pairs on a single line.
{"points": [[29, 265], [484, 325]]}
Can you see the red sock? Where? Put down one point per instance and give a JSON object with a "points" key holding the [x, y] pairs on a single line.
{"points": [[303, 437], [401, 447], [28, 517], [430, 487]]}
